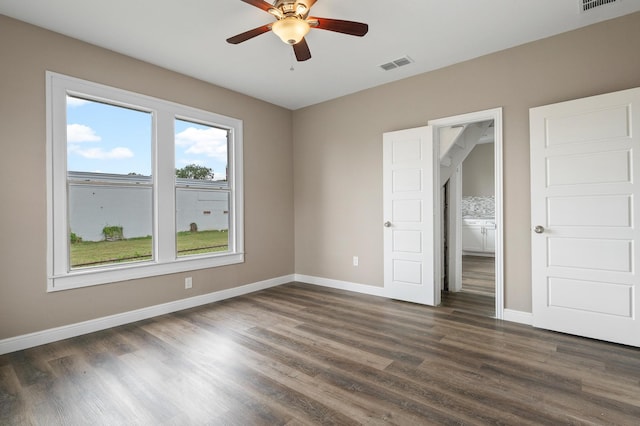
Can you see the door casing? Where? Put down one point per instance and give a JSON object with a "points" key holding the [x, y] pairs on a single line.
{"points": [[494, 114]]}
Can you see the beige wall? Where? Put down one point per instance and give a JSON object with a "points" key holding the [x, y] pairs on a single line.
{"points": [[478, 172], [25, 306], [338, 144]]}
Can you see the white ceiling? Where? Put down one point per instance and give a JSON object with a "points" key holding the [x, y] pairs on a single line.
{"points": [[188, 36]]}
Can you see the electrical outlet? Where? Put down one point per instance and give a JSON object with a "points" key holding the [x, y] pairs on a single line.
{"points": [[355, 260], [188, 282]]}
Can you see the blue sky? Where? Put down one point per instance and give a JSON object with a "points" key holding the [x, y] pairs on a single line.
{"points": [[109, 139]]}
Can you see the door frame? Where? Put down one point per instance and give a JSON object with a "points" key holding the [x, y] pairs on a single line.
{"points": [[494, 114]]}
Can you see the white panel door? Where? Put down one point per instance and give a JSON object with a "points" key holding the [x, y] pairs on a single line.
{"points": [[409, 222], [585, 220]]}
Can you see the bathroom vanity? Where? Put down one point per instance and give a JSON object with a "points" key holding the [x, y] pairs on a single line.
{"points": [[478, 236]]}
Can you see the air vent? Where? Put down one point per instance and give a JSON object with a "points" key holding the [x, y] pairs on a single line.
{"points": [[388, 66], [587, 5], [400, 62]]}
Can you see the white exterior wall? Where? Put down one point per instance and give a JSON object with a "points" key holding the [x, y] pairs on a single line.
{"points": [[94, 206], [208, 209]]}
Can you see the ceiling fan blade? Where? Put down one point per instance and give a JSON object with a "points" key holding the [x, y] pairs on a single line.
{"points": [[249, 34], [301, 49], [260, 4], [310, 3], [339, 26]]}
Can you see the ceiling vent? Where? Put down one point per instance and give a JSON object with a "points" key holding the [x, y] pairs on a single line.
{"points": [[400, 62], [587, 5]]}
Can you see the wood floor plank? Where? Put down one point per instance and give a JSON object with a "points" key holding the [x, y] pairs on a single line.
{"points": [[469, 387], [474, 303], [348, 351], [477, 295], [326, 393], [12, 404], [303, 355], [478, 275]]}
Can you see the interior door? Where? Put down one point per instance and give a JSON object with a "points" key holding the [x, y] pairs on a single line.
{"points": [[585, 220], [411, 205]]}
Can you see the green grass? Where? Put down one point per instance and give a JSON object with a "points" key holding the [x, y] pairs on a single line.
{"points": [[94, 253], [202, 242]]}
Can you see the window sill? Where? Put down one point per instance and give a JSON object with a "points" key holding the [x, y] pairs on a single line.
{"points": [[96, 276]]}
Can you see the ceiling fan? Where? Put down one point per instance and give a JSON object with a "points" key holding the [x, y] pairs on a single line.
{"points": [[293, 23]]}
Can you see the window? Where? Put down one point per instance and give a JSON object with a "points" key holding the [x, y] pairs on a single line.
{"points": [[109, 183], [137, 186], [202, 188]]}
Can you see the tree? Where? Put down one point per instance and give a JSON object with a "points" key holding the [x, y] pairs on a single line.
{"points": [[193, 171]]}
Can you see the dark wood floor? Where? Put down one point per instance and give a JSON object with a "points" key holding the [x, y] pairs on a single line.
{"points": [[299, 354], [479, 275], [470, 303], [478, 288]]}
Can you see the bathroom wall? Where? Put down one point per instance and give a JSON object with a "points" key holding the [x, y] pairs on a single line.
{"points": [[478, 170]]}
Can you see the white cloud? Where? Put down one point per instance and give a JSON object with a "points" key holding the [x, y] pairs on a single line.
{"points": [[81, 133], [76, 102], [101, 154], [211, 142]]}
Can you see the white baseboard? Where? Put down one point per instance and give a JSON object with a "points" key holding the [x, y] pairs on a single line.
{"points": [[17, 343], [341, 285], [518, 316], [508, 314]]}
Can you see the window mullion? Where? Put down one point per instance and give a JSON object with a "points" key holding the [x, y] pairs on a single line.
{"points": [[164, 176]]}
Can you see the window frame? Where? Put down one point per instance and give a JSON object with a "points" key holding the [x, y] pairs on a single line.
{"points": [[165, 260], [206, 186]]}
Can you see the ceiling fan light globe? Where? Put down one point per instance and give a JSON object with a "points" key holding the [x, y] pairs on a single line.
{"points": [[291, 29]]}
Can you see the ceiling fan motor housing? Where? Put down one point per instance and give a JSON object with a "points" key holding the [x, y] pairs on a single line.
{"points": [[292, 8]]}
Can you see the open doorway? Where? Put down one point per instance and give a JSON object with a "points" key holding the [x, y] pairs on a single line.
{"points": [[475, 292], [471, 211]]}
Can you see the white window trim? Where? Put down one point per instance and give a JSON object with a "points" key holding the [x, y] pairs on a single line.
{"points": [[59, 275]]}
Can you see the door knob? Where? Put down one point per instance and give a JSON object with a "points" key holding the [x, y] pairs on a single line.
{"points": [[387, 224], [538, 229]]}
